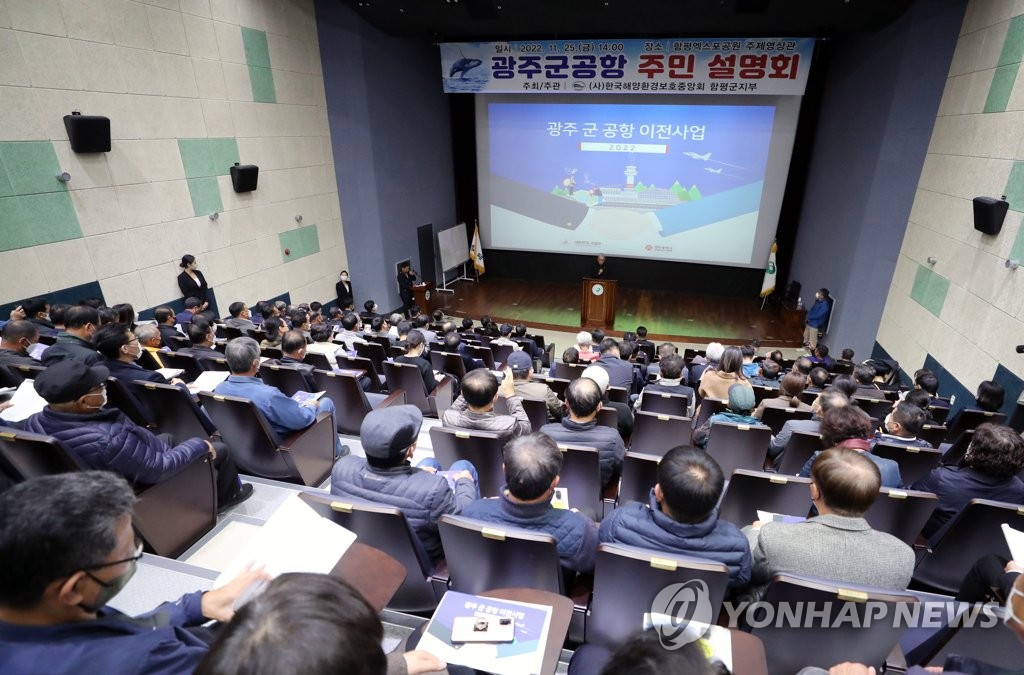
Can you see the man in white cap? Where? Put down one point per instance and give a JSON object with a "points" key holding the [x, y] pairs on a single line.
{"points": [[385, 475]]}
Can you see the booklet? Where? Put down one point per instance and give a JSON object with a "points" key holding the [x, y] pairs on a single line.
{"points": [[303, 396], [716, 641], [1015, 542], [769, 517], [25, 403], [524, 654], [170, 373], [208, 380]]}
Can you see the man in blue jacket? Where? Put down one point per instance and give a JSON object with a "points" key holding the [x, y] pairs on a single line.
{"points": [[388, 436], [104, 438], [682, 515], [816, 318], [67, 548], [532, 464]]}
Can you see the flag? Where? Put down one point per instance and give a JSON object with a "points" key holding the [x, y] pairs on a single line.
{"points": [[476, 252], [770, 272]]}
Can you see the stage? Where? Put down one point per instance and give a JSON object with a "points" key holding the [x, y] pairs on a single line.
{"points": [[667, 315]]}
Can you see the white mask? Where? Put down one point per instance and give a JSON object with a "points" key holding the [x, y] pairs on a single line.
{"points": [[1009, 615]]}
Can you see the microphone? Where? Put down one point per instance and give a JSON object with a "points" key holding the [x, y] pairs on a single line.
{"points": [[1020, 349]]}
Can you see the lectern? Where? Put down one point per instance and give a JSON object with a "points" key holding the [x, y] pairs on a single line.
{"points": [[597, 304], [422, 295]]}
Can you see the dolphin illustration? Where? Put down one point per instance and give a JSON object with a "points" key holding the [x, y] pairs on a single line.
{"points": [[463, 66], [693, 155]]}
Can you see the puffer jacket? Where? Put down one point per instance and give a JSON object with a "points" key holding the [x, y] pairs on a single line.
{"points": [[647, 526], [421, 496], [605, 440], [109, 441]]}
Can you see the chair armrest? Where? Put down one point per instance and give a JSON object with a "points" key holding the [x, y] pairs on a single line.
{"points": [[295, 437], [311, 450], [442, 396], [440, 578], [174, 513], [396, 397]]}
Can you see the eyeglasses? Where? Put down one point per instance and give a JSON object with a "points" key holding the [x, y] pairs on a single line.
{"points": [[132, 560]]}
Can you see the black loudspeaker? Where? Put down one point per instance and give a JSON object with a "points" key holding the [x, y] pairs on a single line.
{"points": [[989, 213], [244, 177], [88, 133]]}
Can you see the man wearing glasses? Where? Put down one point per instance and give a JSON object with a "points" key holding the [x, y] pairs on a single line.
{"points": [[66, 549]]}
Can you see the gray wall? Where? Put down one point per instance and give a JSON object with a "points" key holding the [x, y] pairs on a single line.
{"points": [[391, 132], [878, 109]]}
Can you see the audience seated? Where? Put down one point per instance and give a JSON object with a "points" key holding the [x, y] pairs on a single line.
{"points": [[241, 317], [620, 373], [67, 548], [474, 408], [421, 324], [311, 624], [104, 438], [767, 374], [193, 309], [203, 336], [902, 426], [522, 370], [681, 515], [505, 337], [415, 345], [275, 328], [654, 369], [369, 311], [988, 471], [149, 338], [293, 351], [349, 333], [580, 427], [837, 544], [643, 654], [528, 344], [741, 405], [298, 319], [571, 355], [165, 322], [846, 384], [75, 341], [385, 476], [121, 349], [991, 578], [790, 388], [864, 374], [828, 399], [379, 327], [585, 351], [988, 397], [716, 380], [817, 379], [622, 410], [926, 381], [16, 338], [322, 344], [532, 464], [671, 369], [819, 356], [453, 345], [750, 369], [284, 414], [39, 312], [850, 427]]}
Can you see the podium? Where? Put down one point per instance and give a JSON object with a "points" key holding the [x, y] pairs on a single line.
{"points": [[597, 303], [423, 295]]}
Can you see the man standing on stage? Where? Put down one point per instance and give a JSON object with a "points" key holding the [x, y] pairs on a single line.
{"points": [[406, 278], [600, 268]]}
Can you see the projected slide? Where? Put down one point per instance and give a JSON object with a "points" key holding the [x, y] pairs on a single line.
{"points": [[675, 182]]}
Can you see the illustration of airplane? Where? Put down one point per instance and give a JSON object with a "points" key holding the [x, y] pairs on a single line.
{"points": [[710, 170], [693, 155]]}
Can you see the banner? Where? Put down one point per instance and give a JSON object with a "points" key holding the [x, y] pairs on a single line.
{"points": [[771, 66], [770, 272], [476, 251]]}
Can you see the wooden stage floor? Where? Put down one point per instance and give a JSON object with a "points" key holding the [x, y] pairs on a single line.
{"points": [[667, 315]]}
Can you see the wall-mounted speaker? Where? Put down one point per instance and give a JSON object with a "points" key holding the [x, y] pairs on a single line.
{"points": [[88, 133], [989, 213], [244, 177]]}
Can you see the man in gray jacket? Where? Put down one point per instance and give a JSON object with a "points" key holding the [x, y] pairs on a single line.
{"points": [[474, 408], [583, 397], [385, 476], [837, 544]]}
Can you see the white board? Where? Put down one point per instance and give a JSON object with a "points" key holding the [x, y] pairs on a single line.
{"points": [[453, 244]]}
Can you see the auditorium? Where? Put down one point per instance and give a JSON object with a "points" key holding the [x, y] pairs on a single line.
{"points": [[583, 337]]}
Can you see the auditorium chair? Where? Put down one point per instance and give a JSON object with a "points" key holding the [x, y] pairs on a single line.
{"points": [[28, 372], [571, 371], [639, 474], [448, 362], [176, 342], [230, 333], [407, 377], [147, 360], [878, 409], [838, 633], [271, 353], [373, 351], [482, 556], [774, 418], [955, 454], [501, 352], [987, 639], [535, 408], [482, 448], [658, 402], [556, 384], [939, 413], [119, 397], [915, 463], [798, 450], [169, 516], [618, 394], [304, 457], [318, 360], [483, 354], [841, 368], [581, 478], [749, 491], [627, 579], [761, 393], [377, 378], [738, 446], [608, 417], [385, 528], [288, 379], [901, 513], [972, 533], [350, 401], [809, 397], [935, 434], [174, 412], [9, 377], [656, 434], [256, 334], [972, 419], [185, 362], [706, 408]]}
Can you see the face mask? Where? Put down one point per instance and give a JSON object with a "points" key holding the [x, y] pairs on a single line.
{"points": [[103, 402], [109, 589], [1010, 615], [136, 354]]}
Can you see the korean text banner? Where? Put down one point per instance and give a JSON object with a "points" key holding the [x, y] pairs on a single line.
{"points": [[776, 66]]}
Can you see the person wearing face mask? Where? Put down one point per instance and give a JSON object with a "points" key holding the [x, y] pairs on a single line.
{"points": [[192, 283], [67, 548], [121, 349], [75, 341], [343, 289], [414, 346], [16, 339], [105, 439], [817, 317]]}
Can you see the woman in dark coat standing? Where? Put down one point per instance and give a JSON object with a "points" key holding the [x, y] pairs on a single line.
{"points": [[346, 297], [193, 284]]}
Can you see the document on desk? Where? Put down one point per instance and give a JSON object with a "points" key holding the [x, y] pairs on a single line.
{"points": [[294, 539], [25, 403], [208, 380], [1015, 542]]}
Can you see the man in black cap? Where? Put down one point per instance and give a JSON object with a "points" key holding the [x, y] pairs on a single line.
{"points": [[522, 370], [105, 439], [385, 476]]}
